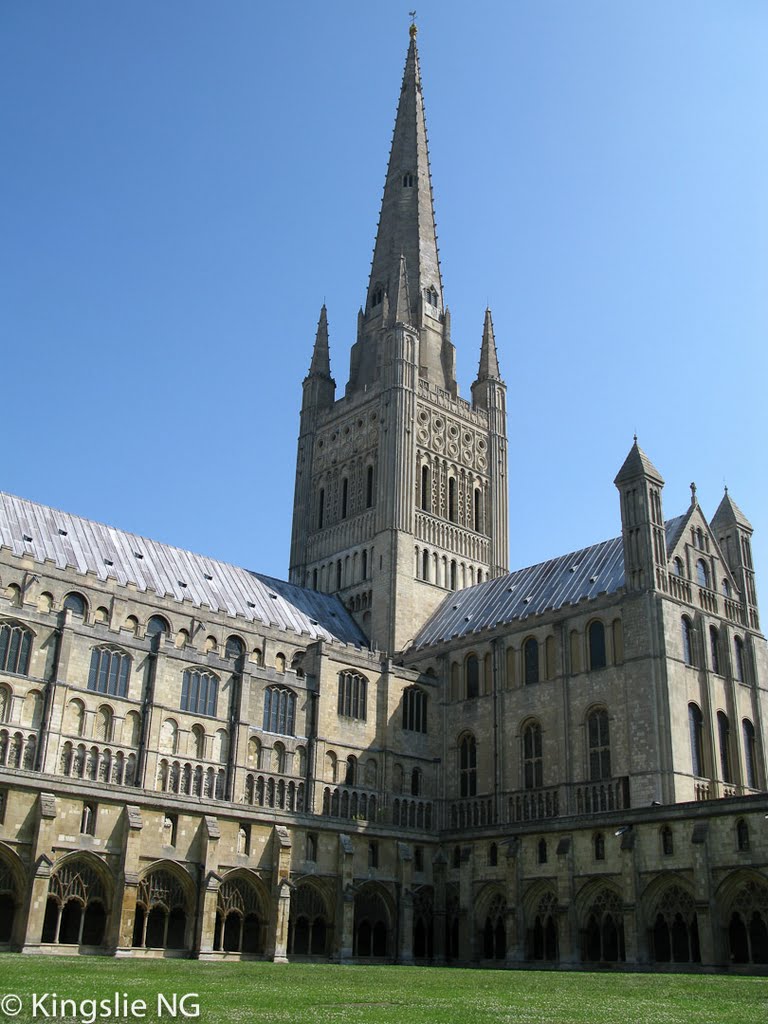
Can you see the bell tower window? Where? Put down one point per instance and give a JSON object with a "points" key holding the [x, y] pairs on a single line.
{"points": [[409, 180]]}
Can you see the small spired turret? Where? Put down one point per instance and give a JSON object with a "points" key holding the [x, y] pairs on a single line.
{"points": [[319, 385], [734, 535], [642, 522], [489, 392]]}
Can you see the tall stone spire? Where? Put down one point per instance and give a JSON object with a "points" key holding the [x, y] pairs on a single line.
{"points": [[407, 221], [405, 237]]}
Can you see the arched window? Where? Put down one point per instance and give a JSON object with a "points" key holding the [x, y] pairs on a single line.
{"points": [[344, 497], [714, 648], [667, 841], [696, 728], [279, 710], [5, 704], [472, 676], [15, 648], [738, 658], [234, 648], [531, 660], [541, 851], [414, 709], [350, 771], [477, 508], [687, 632], [533, 761], [702, 573], [352, 695], [750, 753], [409, 180], [157, 625], [726, 586], [76, 604], [596, 634], [599, 845], [742, 834], [599, 745], [320, 508], [493, 855], [678, 567], [452, 498], [368, 491], [416, 780], [468, 766], [110, 671], [724, 737], [426, 497], [199, 692]]}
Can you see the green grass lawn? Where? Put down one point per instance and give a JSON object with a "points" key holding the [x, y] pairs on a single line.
{"points": [[261, 992]]}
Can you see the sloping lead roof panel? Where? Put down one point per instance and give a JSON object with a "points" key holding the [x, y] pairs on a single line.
{"points": [[566, 580], [171, 572], [672, 530]]}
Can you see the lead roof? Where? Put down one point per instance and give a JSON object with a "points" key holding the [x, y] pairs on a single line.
{"points": [[70, 542]]}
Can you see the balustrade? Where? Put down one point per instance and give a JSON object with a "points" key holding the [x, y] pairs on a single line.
{"points": [[412, 813], [18, 749], [344, 802], [464, 813]]}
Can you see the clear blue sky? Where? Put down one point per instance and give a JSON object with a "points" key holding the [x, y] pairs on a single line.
{"points": [[185, 182]]}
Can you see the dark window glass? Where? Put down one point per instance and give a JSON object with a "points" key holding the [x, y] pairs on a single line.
{"points": [[75, 603], [738, 651], [667, 841], [533, 761], [199, 692], [352, 695], [415, 709], [156, 625], [468, 766], [369, 487], [695, 724], [724, 735], [714, 647], [531, 660], [742, 834], [279, 710], [234, 648], [472, 670], [15, 648], [110, 671], [702, 573], [750, 753], [599, 745], [687, 629], [597, 645]]}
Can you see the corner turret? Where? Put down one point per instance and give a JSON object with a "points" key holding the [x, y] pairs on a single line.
{"points": [[642, 522]]}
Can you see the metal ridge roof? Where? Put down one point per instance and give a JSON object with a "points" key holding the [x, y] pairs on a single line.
{"points": [[587, 573], [71, 542]]}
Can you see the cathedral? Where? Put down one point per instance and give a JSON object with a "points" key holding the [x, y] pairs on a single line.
{"points": [[406, 752]]}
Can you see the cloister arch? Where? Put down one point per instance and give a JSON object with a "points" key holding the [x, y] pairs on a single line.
{"points": [[80, 894], [241, 914], [164, 908]]}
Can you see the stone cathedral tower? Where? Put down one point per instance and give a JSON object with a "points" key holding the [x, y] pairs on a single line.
{"points": [[401, 485]]}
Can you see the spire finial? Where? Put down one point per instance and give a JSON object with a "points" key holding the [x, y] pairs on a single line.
{"points": [[413, 29], [635, 436], [693, 493]]}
